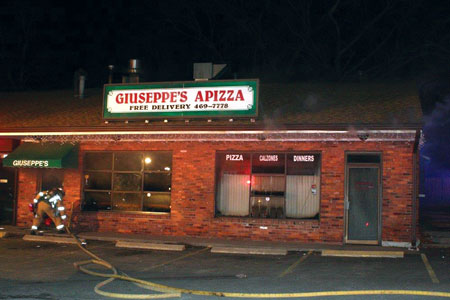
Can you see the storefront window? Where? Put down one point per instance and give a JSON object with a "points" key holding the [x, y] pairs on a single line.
{"points": [[127, 181], [268, 185]]}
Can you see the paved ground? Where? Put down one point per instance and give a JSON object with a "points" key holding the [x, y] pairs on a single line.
{"points": [[32, 270]]}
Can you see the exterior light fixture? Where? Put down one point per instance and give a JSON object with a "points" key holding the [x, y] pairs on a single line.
{"points": [[209, 120], [147, 160], [363, 136], [167, 168], [252, 120], [149, 194], [186, 121], [126, 121], [231, 120], [165, 121], [146, 121], [106, 122], [5, 155]]}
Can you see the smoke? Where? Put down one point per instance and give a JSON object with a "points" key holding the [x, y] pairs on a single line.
{"points": [[437, 135]]}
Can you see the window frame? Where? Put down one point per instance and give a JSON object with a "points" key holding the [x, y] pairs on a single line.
{"points": [[251, 174], [142, 172]]}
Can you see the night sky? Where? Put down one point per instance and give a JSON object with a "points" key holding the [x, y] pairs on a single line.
{"points": [[44, 42]]}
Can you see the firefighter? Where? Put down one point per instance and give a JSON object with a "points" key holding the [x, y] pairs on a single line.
{"points": [[50, 203]]}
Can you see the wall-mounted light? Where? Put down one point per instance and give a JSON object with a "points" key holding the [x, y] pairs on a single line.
{"points": [[147, 160], [363, 136]]}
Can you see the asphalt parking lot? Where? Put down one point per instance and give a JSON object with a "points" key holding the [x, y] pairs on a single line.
{"points": [[36, 270]]}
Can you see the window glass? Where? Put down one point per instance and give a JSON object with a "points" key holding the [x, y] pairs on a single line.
{"points": [[257, 185], [97, 180], [98, 161], [363, 158], [126, 161], [157, 182], [122, 185], [127, 182], [303, 164], [97, 201], [126, 201], [157, 202], [234, 163], [268, 185], [233, 183], [158, 161], [268, 163]]}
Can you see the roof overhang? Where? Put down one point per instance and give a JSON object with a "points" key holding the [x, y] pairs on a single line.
{"points": [[221, 135]]}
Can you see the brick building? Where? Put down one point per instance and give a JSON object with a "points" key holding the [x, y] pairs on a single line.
{"points": [[314, 162]]}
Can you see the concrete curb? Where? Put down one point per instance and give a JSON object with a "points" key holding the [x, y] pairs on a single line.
{"points": [[50, 239], [150, 246], [246, 250], [350, 253]]}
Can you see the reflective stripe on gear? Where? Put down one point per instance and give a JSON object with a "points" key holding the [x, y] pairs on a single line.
{"points": [[34, 227], [61, 226], [43, 208], [63, 217], [61, 208]]}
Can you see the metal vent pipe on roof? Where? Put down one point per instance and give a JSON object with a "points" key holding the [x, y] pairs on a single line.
{"points": [[111, 73], [134, 70], [79, 79], [135, 66]]}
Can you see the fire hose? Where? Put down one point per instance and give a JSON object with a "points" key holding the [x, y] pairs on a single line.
{"points": [[172, 292]]}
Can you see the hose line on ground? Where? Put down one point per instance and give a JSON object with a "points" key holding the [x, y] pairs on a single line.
{"points": [[172, 292]]}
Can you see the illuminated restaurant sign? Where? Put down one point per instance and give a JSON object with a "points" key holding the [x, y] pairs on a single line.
{"points": [[234, 98], [273, 157]]}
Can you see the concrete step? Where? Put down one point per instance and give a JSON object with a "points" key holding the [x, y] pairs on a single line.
{"points": [[249, 250], [150, 246], [62, 239], [11, 231], [357, 253]]}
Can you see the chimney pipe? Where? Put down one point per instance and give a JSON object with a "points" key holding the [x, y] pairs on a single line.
{"points": [[110, 76], [82, 84], [79, 80], [134, 70]]}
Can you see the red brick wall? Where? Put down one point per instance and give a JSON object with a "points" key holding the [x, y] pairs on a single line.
{"points": [[193, 188]]}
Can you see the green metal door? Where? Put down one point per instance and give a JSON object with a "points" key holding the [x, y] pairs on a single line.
{"points": [[363, 208]]}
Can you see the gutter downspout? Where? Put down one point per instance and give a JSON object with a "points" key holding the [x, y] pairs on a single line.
{"points": [[414, 193]]}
